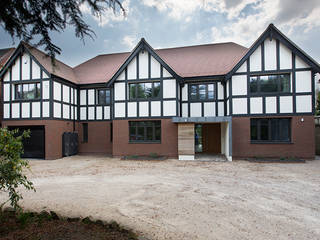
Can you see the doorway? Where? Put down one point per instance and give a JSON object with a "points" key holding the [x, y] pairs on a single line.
{"points": [[207, 138]]}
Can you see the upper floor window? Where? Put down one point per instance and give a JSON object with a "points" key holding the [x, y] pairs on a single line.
{"points": [[144, 131], [27, 91], [270, 83], [103, 96], [144, 90], [201, 92]]}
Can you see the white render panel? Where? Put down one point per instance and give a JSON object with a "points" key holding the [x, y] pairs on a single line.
{"points": [[300, 63], [16, 70], [239, 106], [184, 109], [25, 67], [243, 68], [143, 109], [44, 75], [99, 113], [220, 91], [155, 68], [195, 110], [119, 91], [57, 91], [209, 109], [285, 57], [271, 104], [239, 85], [286, 104], [75, 96], [255, 60], [6, 92], [45, 109], [15, 110], [270, 54], [6, 77], [83, 113], [256, 105], [90, 96], [66, 93], [45, 89], [57, 110], [66, 111], [122, 76], [228, 106], [155, 108], [36, 71], [75, 112], [166, 73], [227, 90], [132, 69], [106, 112], [71, 112], [6, 110], [25, 110], [71, 96], [220, 108], [132, 109], [36, 109], [303, 81], [143, 65], [169, 108], [90, 113], [169, 88], [119, 110], [303, 104], [185, 92], [83, 97]]}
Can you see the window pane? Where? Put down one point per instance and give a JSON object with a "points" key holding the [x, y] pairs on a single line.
{"points": [[140, 135], [253, 84], [284, 83], [132, 90], [107, 92], [275, 129], [264, 129], [158, 133], [148, 90], [18, 91], [193, 92], [210, 91], [284, 130], [202, 92], [156, 89], [149, 133], [132, 132], [268, 83], [101, 97], [140, 87], [254, 129]]}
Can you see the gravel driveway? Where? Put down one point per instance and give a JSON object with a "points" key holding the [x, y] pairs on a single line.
{"points": [[184, 200]]}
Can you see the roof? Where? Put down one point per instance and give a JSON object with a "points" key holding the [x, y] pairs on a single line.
{"points": [[5, 54]]}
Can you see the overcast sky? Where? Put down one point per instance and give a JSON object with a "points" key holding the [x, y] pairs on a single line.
{"points": [[172, 23]]}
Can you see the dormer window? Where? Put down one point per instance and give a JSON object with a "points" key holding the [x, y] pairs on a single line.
{"points": [[27, 91], [146, 90], [201, 92]]}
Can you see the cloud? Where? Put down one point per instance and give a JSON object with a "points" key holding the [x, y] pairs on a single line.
{"points": [[129, 41]]}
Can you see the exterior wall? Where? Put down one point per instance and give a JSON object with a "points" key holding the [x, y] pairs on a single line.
{"points": [[99, 138], [53, 133], [302, 140], [167, 147]]}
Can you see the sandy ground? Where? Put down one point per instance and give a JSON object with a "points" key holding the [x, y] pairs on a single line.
{"points": [[183, 200]]}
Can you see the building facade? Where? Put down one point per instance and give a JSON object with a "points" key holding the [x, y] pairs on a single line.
{"points": [[179, 102]]}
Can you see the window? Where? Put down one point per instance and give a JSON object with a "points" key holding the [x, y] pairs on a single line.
{"points": [[144, 90], [103, 96], [85, 132], [201, 92], [145, 131], [27, 91], [270, 83], [270, 129]]}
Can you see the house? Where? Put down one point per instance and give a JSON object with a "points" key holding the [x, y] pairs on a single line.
{"points": [[214, 99]]}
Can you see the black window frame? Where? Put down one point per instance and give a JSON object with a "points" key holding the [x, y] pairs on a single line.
{"points": [[145, 124], [198, 99], [269, 125], [18, 97], [153, 97], [85, 130], [278, 80], [98, 98]]}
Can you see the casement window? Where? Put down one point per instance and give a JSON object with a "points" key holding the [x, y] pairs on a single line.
{"points": [[148, 90], [279, 83], [85, 132], [103, 96], [145, 131], [201, 92], [27, 91], [270, 130]]}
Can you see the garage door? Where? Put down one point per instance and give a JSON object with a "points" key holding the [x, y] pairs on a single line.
{"points": [[34, 145]]}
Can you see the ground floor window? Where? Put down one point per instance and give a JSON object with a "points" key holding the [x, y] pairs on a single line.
{"points": [[145, 131], [270, 129]]}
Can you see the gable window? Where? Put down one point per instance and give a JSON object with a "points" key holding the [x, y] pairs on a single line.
{"points": [[148, 90], [270, 83], [103, 96], [27, 91], [144, 131], [201, 92], [270, 129]]}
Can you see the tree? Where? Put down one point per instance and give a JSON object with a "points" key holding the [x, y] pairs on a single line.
{"points": [[27, 19], [12, 166]]}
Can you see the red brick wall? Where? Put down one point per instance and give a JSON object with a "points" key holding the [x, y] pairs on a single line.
{"points": [[167, 147], [302, 137]]}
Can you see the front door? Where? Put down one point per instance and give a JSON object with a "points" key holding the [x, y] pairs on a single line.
{"points": [[198, 138]]}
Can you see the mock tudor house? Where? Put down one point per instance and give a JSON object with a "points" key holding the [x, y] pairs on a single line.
{"points": [[180, 102]]}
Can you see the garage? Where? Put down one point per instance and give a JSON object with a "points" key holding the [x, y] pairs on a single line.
{"points": [[34, 146]]}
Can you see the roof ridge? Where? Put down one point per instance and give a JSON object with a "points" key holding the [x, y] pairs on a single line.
{"points": [[200, 45]]}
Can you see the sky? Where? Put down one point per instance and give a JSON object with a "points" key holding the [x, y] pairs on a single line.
{"points": [[175, 23]]}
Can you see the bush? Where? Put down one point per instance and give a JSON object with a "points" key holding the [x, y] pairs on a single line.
{"points": [[11, 165]]}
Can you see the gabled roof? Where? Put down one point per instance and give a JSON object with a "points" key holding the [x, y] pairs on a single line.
{"points": [[5, 54]]}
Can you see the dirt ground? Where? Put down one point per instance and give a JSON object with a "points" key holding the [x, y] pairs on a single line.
{"points": [[183, 200]]}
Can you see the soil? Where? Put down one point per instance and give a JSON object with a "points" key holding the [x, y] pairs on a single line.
{"points": [[174, 199]]}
